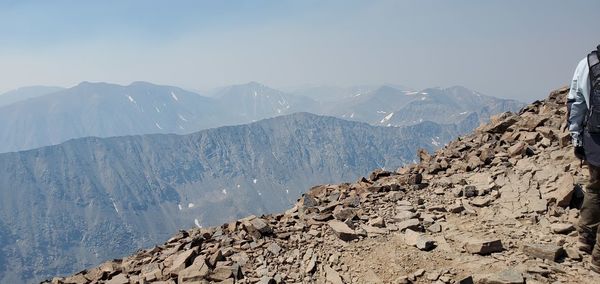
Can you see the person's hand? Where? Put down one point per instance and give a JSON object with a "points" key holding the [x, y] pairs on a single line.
{"points": [[580, 153]]}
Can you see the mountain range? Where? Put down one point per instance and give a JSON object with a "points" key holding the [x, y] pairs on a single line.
{"points": [[52, 116]]}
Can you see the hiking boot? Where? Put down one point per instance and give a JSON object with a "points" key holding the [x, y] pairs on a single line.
{"points": [[586, 239], [585, 245], [595, 263]]}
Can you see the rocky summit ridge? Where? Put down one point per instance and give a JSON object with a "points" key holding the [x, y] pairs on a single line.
{"points": [[496, 206]]}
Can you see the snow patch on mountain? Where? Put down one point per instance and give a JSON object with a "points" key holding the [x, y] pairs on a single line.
{"points": [[387, 117]]}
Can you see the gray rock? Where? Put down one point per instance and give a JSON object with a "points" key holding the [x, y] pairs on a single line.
{"points": [[419, 272], [312, 265], [402, 280], [435, 228], [456, 208], [483, 246], [274, 248], [373, 230], [379, 173], [267, 280], [221, 273], [562, 228], [182, 261], [566, 186], [261, 226], [500, 123], [544, 251], [425, 243], [118, 279], [195, 272], [418, 240], [412, 224], [405, 208], [309, 201], [411, 237], [377, 222], [405, 215], [573, 254], [457, 192], [342, 231], [214, 258], [518, 149], [509, 276], [333, 276], [481, 201], [470, 191]]}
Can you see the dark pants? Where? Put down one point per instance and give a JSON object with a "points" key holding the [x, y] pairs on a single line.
{"points": [[589, 217]]}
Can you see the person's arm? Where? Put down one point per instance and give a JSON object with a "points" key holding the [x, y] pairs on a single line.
{"points": [[576, 105]]}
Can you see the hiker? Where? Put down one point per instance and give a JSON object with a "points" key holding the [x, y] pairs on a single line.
{"points": [[583, 104]]}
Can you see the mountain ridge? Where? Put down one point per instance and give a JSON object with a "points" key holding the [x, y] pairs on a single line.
{"points": [[92, 198]]}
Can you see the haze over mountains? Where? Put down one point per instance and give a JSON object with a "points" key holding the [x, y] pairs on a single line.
{"points": [[52, 116], [92, 199]]}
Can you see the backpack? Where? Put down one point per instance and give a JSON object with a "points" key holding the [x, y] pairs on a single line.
{"points": [[591, 134]]}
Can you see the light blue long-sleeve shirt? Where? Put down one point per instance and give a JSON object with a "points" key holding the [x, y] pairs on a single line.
{"points": [[579, 96]]}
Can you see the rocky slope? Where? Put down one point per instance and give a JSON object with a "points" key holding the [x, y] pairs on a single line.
{"points": [[79, 203], [495, 206]]}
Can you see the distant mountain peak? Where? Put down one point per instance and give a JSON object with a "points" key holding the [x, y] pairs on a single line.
{"points": [[255, 84], [251, 85], [89, 83], [248, 89], [142, 83], [386, 88]]}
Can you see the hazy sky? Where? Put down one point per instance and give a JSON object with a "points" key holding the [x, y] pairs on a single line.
{"points": [[517, 49]]}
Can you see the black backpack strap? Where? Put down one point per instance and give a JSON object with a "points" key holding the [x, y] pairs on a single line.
{"points": [[593, 59], [594, 76]]}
